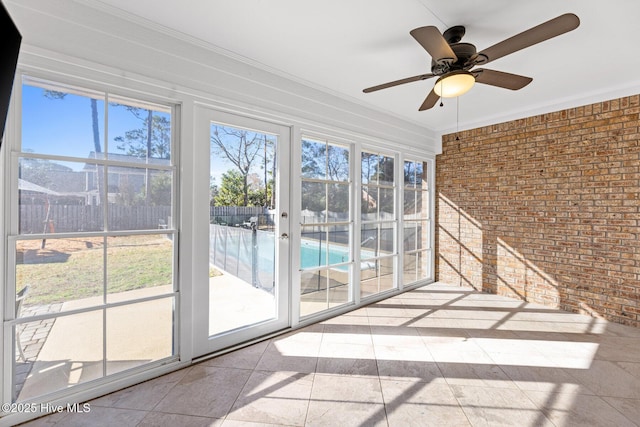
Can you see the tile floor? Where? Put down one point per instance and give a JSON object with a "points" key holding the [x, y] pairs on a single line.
{"points": [[435, 356]]}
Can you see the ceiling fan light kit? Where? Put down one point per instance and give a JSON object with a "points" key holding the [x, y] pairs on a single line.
{"points": [[454, 84], [452, 61]]}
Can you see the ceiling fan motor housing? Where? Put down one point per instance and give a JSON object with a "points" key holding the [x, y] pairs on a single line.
{"points": [[465, 53]]}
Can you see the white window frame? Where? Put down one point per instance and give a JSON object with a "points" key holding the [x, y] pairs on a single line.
{"points": [[10, 157]]}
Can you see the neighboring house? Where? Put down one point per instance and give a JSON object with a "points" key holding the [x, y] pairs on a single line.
{"points": [[122, 181]]}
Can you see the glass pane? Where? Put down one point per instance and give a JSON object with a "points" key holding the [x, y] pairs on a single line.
{"points": [[338, 245], [313, 247], [387, 238], [422, 204], [369, 278], [409, 174], [385, 272], [423, 267], [337, 163], [242, 167], [369, 233], [314, 197], [139, 132], [338, 196], [325, 255], [369, 203], [416, 266], [314, 159], [409, 269], [131, 324], [409, 204], [139, 266], [242, 274], [410, 236], [241, 277], [60, 120], [61, 274], [387, 204], [58, 197], [423, 235], [369, 168], [139, 198], [386, 174], [338, 287], [58, 354], [313, 292], [421, 177], [377, 276], [414, 174]]}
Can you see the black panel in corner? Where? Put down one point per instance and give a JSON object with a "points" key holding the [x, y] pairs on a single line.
{"points": [[8, 62]]}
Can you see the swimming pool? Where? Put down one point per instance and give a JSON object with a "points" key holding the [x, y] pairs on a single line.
{"points": [[232, 250], [314, 254]]}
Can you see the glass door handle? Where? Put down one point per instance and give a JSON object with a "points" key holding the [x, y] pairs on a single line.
{"points": [[284, 236]]}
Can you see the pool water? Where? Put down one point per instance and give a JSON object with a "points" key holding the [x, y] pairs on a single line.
{"points": [[312, 254]]}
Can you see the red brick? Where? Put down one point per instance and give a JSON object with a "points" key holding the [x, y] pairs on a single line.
{"points": [[546, 209]]}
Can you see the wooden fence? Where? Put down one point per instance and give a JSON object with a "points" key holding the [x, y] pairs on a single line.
{"points": [[76, 218]]}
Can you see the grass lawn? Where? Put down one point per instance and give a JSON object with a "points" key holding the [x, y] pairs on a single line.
{"points": [[67, 269]]}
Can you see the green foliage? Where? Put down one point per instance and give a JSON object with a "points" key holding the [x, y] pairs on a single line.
{"points": [[328, 162], [40, 172], [160, 191], [243, 149], [231, 192], [153, 139]]}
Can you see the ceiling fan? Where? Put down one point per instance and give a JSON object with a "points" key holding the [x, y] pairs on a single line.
{"points": [[452, 62]]}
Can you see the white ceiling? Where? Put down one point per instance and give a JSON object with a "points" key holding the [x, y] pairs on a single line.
{"points": [[343, 46]]}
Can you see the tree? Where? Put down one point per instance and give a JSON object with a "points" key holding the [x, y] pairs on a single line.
{"points": [[41, 171], [231, 191], [377, 171], [152, 140], [213, 191], [160, 189], [328, 162], [93, 102], [242, 148]]}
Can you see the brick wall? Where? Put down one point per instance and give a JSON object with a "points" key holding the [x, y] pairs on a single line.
{"points": [[546, 209]]}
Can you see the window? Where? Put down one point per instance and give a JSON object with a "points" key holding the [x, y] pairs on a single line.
{"points": [[325, 247], [378, 253], [94, 241], [417, 225]]}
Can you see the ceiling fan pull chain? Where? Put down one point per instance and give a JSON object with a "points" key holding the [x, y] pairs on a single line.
{"points": [[457, 118]]}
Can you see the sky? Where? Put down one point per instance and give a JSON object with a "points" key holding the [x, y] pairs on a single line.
{"points": [[220, 164], [64, 126]]}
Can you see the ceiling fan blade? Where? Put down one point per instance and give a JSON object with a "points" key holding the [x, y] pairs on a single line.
{"points": [[555, 27], [501, 79], [429, 101], [398, 82], [433, 42]]}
